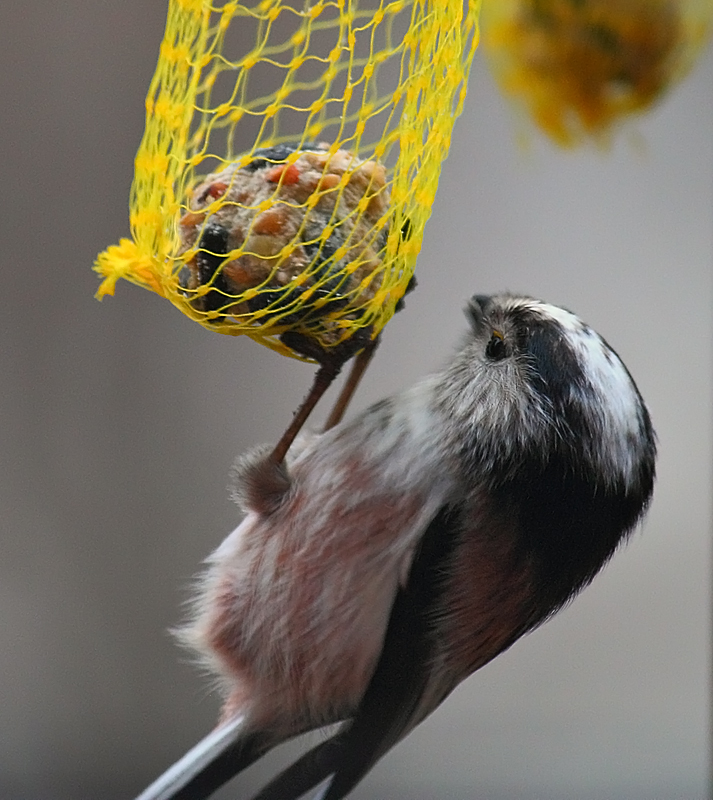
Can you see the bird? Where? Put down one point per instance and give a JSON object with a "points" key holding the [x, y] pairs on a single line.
{"points": [[388, 558]]}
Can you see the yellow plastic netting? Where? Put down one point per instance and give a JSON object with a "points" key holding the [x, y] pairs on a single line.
{"points": [[578, 67], [290, 160]]}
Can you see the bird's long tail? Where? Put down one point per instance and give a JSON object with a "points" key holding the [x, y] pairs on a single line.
{"points": [[218, 757]]}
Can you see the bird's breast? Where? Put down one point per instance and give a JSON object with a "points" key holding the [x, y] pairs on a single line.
{"points": [[295, 604]]}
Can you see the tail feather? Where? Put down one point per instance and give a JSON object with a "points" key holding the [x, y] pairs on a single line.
{"points": [[217, 758], [307, 772]]}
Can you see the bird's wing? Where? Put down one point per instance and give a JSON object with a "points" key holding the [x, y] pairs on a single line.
{"points": [[392, 703]]}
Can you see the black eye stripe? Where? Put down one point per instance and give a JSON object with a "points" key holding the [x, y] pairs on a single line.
{"points": [[556, 369]]}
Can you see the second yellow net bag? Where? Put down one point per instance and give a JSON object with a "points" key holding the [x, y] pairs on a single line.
{"points": [[580, 68], [290, 160]]}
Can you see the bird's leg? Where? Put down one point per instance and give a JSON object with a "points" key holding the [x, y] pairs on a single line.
{"points": [[322, 381], [361, 362], [331, 362]]}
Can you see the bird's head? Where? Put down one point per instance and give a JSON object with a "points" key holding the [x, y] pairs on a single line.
{"points": [[533, 381]]}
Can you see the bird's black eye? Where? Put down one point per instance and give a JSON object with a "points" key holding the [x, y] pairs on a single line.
{"points": [[496, 349]]}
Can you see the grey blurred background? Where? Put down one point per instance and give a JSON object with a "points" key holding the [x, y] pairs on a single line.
{"points": [[119, 422]]}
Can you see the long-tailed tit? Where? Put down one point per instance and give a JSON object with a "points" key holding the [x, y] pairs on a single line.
{"points": [[392, 556]]}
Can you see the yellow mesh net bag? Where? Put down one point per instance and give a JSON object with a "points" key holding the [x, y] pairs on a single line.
{"points": [[578, 67], [290, 160]]}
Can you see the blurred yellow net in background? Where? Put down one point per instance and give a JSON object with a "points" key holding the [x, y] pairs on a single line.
{"points": [[290, 160], [580, 66]]}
